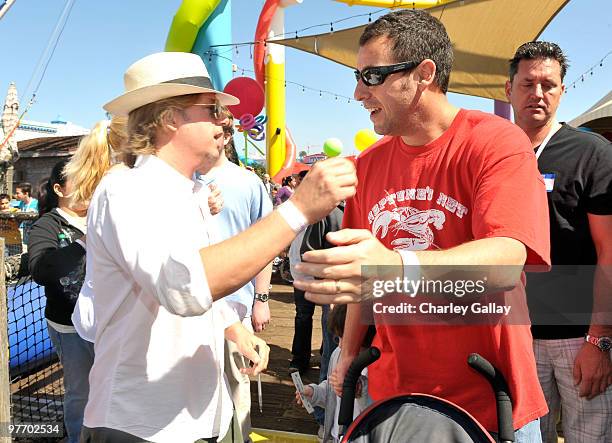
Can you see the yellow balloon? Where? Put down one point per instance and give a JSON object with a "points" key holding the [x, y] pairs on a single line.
{"points": [[364, 139]]}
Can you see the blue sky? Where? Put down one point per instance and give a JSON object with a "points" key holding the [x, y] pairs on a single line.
{"points": [[102, 38]]}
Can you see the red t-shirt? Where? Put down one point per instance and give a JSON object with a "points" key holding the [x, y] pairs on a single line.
{"points": [[477, 180]]}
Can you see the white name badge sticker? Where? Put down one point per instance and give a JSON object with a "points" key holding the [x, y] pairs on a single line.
{"points": [[549, 181]]}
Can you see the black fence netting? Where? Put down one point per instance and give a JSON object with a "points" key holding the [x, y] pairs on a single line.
{"points": [[36, 376]]}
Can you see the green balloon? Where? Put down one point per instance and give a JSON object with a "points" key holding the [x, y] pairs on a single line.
{"points": [[332, 147]]}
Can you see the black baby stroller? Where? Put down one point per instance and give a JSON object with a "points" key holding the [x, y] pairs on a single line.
{"points": [[419, 417]]}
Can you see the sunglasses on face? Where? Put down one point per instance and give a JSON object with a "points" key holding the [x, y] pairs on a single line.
{"points": [[216, 111], [377, 75]]}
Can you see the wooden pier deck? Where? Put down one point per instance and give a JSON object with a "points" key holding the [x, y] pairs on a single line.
{"points": [[280, 412]]}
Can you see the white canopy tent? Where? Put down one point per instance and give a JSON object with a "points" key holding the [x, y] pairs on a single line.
{"points": [[598, 117]]}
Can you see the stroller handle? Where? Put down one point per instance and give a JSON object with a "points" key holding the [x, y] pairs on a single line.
{"points": [[502, 395], [365, 358]]}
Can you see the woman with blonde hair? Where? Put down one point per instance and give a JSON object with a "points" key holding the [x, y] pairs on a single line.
{"points": [[58, 252], [99, 152]]}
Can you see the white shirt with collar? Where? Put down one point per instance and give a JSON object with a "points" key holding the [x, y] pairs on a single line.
{"points": [[158, 371]]}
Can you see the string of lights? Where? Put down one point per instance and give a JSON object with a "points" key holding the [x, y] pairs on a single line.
{"points": [[216, 51], [588, 73], [296, 33], [303, 88], [331, 24]]}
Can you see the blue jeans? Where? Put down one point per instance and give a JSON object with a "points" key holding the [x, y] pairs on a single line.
{"points": [[76, 356], [530, 433]]}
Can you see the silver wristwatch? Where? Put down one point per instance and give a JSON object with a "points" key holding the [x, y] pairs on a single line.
{"points": [[262, 297], [603, 343]]}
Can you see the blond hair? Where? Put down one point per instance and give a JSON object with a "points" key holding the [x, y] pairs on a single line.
{"points": [[145, 122], [96, 154]]}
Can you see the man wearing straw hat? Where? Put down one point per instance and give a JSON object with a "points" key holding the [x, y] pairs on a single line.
{"points": [[158, 373]]}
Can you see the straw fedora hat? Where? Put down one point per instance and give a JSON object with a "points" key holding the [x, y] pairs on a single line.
{"points": [[164, 75]]}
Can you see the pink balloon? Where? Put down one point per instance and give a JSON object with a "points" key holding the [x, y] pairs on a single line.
{"points": [[247, 121], [249, 92]]}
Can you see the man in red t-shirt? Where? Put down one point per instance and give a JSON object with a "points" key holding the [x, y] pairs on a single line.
{"points": [[445, 187]]}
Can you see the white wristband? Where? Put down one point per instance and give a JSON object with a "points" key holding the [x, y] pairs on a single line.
{"points": [[293, 216], [412, 266]]}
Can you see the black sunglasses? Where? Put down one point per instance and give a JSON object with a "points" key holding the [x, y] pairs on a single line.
{"points": [[216, 112], [376, 75]]}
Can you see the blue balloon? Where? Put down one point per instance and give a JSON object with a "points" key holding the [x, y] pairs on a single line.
{"points": [[217, 30]]}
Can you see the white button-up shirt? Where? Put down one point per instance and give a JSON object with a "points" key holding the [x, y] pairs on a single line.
{"points": [[158, 371]]}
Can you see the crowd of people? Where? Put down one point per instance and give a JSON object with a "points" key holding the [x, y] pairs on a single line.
{"points": [[15, 233], [492, 201], [154, 318]]}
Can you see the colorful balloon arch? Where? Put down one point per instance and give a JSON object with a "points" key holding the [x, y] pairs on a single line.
{"points": [[199, 26]]}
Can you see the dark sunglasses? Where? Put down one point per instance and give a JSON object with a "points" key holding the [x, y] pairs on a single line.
{"points": [[216, 112], [377, 75]]}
